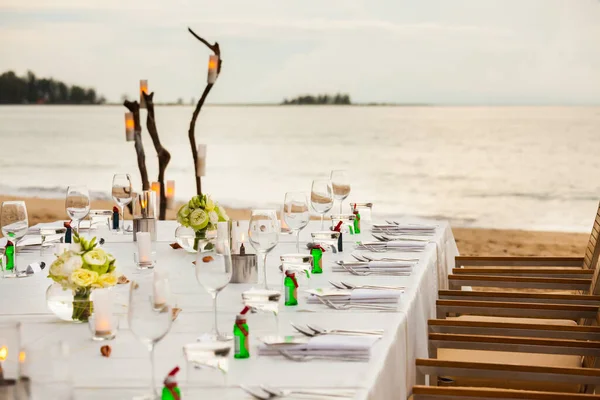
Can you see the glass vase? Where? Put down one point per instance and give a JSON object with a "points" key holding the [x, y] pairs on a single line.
{"points": [[69, 305]]}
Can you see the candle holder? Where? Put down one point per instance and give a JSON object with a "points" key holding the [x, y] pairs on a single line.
{"points": [[144, 214], [244, 268], [144, 264], [106, 331]]}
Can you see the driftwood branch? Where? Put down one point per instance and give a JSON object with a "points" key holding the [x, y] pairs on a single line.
{"points": [[134, 107], [192, 130], [163, 155]]}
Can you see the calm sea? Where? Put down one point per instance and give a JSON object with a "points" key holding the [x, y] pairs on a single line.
{"points": [[518, 167]]}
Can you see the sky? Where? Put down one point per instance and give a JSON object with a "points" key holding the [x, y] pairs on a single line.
{"points": [[402, 51]]}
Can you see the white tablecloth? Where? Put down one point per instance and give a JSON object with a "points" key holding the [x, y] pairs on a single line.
{"points": [[390, 374]]}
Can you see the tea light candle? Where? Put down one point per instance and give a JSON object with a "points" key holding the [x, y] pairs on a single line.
{"points": [[129, 127], [143, 89], [213, 68], [103, 305], [144, 248], [159, 288], [201, 167], [170, 194]]}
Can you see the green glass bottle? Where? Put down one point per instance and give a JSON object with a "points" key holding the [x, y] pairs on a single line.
{"points": [[317, 254], [171, 391], [291, 289], [240, 337], [356, 221], [10, 253]]}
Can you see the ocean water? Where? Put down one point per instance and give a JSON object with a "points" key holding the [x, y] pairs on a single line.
{"points": [[505, 167]]}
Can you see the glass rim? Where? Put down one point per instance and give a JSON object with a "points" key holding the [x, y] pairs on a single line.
{"points": [[13, 202]]}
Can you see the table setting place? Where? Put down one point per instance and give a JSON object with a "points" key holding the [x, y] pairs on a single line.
{"points": [[109, 284]]}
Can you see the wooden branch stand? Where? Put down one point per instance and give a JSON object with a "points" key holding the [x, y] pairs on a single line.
{"points": [[163, 155], [191, 133]]}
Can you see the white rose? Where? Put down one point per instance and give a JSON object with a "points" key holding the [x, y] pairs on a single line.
{"points": [[71, 264], [213, 217], [75, 247]]}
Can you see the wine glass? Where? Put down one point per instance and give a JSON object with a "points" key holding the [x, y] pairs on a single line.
{"points": [[263, 233], [341, 185], [14, 222], [295, 213], [213, 273], [321, 197], [121, 194], [150, 315], [77, 203]]}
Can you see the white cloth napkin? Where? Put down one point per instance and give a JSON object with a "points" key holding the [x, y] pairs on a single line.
{"points": [[325, 345], [35, 229], [354, 296]]}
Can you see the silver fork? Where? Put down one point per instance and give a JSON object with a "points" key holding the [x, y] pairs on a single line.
{"points": [[285, 393], [338, 285], [307, 332], [367, 258], [367, 273], [303, 358], [351, 286], [346, 306], [262, 395], [321, 331]]}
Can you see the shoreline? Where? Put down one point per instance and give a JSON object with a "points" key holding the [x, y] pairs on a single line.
{"points": [[470, 241]]}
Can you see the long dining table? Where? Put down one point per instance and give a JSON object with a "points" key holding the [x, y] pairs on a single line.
{"points": [[389, 374]]}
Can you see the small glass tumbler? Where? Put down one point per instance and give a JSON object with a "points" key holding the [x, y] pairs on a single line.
{"points": [[347, 221], [205, 360], [365, 210], [144, 263], [300, 264]]}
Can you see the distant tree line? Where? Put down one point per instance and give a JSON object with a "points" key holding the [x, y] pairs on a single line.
{"points": [[320, 99], [31, 90]]}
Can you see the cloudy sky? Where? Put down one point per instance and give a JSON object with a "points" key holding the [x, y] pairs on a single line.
{"points": [[409, 51]]}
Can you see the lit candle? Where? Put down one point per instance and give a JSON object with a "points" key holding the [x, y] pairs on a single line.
{"points": [[170, 194], [155, 187], [143, 89], [201, 169], [160, 288], [213, 68], [103, 305], [144, 248], [129, 127]]}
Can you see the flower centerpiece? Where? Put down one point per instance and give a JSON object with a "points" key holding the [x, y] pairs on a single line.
{"points": [[81, 269], [201, 214]]}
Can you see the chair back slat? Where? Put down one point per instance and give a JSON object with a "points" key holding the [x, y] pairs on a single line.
{"points": [[592, 251]]}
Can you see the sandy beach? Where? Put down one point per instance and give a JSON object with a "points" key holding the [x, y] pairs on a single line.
{"points": [[471, 241]]}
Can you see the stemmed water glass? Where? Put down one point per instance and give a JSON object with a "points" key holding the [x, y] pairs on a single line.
{"points": [[321, 198], [150, 315], [263, 233], [77, 203], [341, 185], [14, 221], [295, 213], [213, 272], [122, 195]]}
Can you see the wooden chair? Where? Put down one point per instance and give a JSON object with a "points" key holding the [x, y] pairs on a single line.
{"points": [[547, 273], [444, 393]]}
